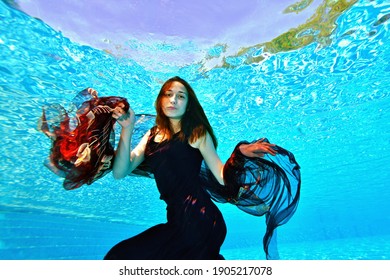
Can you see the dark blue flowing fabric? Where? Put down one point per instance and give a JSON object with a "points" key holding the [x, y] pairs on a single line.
{"points": [[83, 151], [268, 186]]}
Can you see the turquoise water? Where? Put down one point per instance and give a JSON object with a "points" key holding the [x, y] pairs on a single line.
{"points": [[328, 102]]}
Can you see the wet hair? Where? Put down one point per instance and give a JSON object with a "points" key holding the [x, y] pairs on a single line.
{"points": [[194, 123]]}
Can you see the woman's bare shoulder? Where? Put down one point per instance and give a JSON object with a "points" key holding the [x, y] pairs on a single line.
{"points": [[202, 140]]}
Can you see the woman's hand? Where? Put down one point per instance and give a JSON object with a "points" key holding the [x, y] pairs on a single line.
{"points": [[125, 119], [257, 149]]}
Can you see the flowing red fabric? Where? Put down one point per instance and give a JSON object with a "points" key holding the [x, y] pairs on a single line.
{"points": [[83, 146]]}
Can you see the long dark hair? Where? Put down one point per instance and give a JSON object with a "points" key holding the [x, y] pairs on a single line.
{"points": [[194, 123]]}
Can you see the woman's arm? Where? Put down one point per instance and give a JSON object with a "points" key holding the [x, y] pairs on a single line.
{"points": [[127, 160], [210, 156], [207, 149]]}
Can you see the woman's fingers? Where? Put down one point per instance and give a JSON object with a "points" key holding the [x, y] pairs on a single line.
{"points": [[118, 113], [269, 148], [265, 147], [272, 151], [125, 119], [261, 142], [119, 110], [258, 149]]}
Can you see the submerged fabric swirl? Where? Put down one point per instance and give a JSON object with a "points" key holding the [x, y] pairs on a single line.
{"points": [[268, 186], [82, 146], [83, 150]]}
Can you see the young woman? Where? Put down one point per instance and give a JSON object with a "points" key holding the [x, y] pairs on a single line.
{"points": [[180, 152], [173, 150]]}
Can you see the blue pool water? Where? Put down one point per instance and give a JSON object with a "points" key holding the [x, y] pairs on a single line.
{"points": [[327, 101]]}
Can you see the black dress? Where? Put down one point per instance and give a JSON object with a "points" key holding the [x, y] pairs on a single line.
{"points": [[195, 228]]}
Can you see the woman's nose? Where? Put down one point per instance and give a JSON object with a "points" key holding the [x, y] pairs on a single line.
{"points": [[173, 99]]}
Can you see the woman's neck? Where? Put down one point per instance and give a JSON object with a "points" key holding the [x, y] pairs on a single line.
{"points": [[176, 125]]}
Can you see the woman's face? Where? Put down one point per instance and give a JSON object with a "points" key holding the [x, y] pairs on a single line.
{"points": [[174, 101]]}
